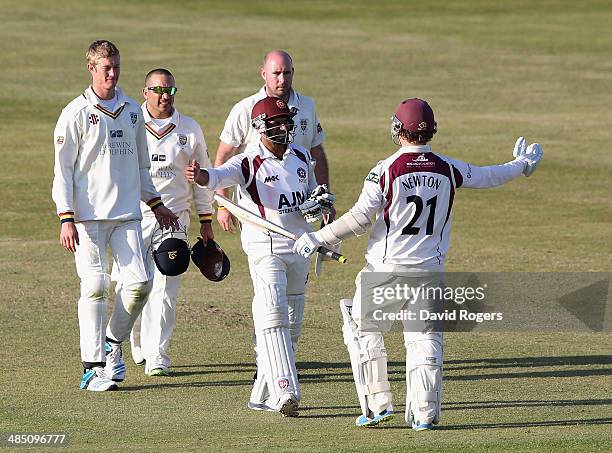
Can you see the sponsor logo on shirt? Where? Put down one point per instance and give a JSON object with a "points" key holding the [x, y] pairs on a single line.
{"points": [[59, 140], [297, 198], [421, 161], [271, 178], [319, 128], [166, 172], [116, 134]]}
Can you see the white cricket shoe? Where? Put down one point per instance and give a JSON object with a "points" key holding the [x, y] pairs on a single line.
{"points": [[288, 405], [115, 366], [96, 380]]}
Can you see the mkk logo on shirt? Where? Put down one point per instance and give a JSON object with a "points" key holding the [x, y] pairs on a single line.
{"points": [[158, 157], [271, 178], [116, 134]]}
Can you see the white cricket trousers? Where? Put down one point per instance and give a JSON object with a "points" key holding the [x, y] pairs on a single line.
{"points": [[153, 330], [92, 264]]}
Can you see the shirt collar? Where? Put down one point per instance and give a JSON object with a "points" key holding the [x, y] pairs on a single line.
{"points": [[266, 153], [92, 98], [148, 119], [415, 149], [292, 96]]}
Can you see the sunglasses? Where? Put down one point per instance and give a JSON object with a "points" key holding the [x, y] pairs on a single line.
{"points": [[163, 90]]}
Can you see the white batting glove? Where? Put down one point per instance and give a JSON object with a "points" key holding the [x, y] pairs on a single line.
{"points": [[324, 197], [311, 210], [306, 245], [530, 155]]}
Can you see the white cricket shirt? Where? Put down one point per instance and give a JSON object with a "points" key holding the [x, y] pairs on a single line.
{"points": [[271, 188], [171, 147], [101, 161], [238, 131], [412, 192]]}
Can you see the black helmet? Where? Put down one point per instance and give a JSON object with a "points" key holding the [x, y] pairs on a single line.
{"points": [[210, 259], [170, 252]]}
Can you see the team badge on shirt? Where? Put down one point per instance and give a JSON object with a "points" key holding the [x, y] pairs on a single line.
{"points": [[182, 139], [133, 117], [94, 119], [303, 124], [301, 173]]}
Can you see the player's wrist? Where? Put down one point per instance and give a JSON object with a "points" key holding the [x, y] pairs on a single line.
{"points": [[155, 203], [205, 218], [66, 217]]}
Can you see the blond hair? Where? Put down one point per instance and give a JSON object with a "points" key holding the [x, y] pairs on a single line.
{"points": [[100, 49]]}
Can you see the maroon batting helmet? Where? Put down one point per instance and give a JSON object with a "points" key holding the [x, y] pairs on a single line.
{"points": [[269, 108], [413, 115]]}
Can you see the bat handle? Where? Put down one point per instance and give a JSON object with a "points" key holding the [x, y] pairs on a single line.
{"points": [[331, 254]]}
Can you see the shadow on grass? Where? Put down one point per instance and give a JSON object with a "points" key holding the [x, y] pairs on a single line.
{"points": [[593, 421], [341, 372]]}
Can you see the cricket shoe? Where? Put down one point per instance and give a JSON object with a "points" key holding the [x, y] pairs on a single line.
{"points": [[115, 366], [422, 426], [260, 406], [369, 422], [137, 356], [288, 405], [158, 372], [96, 380]]}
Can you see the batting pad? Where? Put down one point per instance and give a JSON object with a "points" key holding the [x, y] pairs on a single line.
{"points": [[296, 318], [276, 359], [423, 381], [369, 364]]}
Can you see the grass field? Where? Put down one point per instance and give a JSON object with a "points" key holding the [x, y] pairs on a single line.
{"points": [[491, 70]]}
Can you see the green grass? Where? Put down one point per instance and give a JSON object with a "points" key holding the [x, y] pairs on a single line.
{"points": [[491, 70]]}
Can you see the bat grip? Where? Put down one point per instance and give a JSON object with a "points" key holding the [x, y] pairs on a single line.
{"points": [[331, 254]]}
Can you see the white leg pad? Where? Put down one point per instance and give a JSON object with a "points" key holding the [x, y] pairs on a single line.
{"points": [[296, 318], [423, 381], [369, 363], [277, 362]]}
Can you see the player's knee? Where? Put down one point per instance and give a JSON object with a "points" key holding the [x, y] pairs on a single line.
{"points": [[270, 307], [95, 287], [135, 295]]}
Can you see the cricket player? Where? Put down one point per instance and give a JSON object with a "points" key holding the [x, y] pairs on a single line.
{"points": [[277, 72], [101, 175], [411, 196], [173, 140], [274, 179]]}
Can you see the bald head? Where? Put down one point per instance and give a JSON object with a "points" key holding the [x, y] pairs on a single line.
{"points": [[277, 55], [277, 72]]}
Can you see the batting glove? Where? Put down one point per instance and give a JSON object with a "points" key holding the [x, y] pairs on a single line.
{"points": [[306, 245], [324, 197], [530, 155], [311, 210]]}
